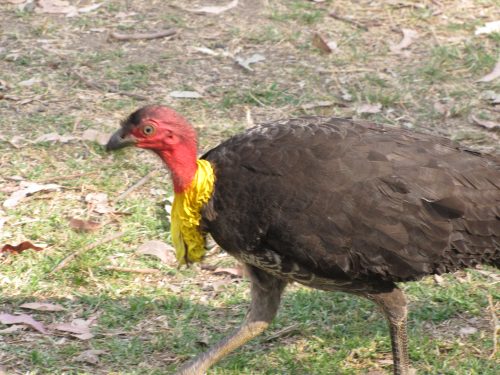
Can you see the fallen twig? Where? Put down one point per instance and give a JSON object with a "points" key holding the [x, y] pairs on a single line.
{"points": [[77, 253], [494, 324], [93, 85], [287, 331], [348, 20], [134, 270], [138, 184], [145, 36]]}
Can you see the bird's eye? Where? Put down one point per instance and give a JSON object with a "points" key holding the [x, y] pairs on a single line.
{"points": [[148, 130]]}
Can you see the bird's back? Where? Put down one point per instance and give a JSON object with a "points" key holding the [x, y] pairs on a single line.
{"points": [[347, 200]]}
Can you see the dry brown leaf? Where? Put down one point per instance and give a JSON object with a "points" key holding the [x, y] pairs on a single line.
{"points": [[27, 188], [494, 74], [16, 249], [94, 135], [79, 328], [409, 36], [87, 226], [488, 124], [98, 202], [245, 63], [369, 108], [42, 306], [214, 9], [159, 249], [90, 356], [321, 43], [22, 319]]}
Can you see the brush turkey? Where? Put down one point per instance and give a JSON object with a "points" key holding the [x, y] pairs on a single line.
{"points": [[331, 203]]}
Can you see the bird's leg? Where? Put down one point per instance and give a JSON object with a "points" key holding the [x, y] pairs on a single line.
{"points": [[266, 293], [393, 305]]}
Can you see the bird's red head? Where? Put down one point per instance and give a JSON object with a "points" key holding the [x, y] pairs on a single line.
{"points": [[153, 127], [167, 133]]}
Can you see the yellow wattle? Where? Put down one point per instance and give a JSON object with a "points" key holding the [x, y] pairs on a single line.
{"points": [[187, 238]]}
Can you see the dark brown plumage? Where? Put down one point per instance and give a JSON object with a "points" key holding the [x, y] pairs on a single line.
{"points": [[339, 205], [346, 200]]}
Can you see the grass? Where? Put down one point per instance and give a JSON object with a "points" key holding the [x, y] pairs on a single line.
{"points": [[150, 323], [270, 95]]}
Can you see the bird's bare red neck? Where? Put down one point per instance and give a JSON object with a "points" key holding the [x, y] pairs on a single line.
{"points": [[182, 163]]}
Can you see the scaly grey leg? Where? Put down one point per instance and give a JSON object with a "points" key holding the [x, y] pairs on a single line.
{"points": [[266, 293], [393, 305]]}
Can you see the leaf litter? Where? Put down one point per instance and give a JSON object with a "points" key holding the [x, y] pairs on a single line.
{"points": [[494, 74], [55, 137], [24, 319], [232, 271], [491, 96], [246, 62], [63, 7], [84, 226], [26, 189], [158, 249], [487, 124], [321, 43], [214, 9], [90, 356], [185, 95], [42, 306], [79, 328], [98, 202], [409, 36], [369, 108], [97, 136]]}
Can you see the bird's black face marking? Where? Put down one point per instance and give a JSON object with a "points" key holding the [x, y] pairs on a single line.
{"points": [[134, 119]]}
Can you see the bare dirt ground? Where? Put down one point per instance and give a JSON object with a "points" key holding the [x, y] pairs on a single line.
{"points": [[412, 64]]}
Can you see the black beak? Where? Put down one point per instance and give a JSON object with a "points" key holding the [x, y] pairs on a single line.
{"points": [[117, 141]]}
